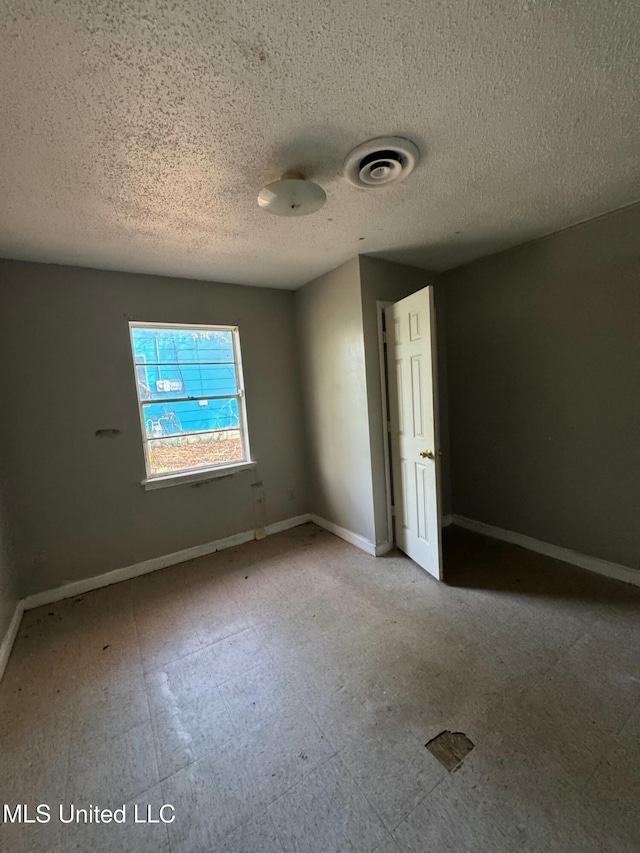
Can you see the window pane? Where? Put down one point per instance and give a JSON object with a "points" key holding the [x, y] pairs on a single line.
{"points": [[167, 455], [170, 346], [156, 382], [165, 419]]}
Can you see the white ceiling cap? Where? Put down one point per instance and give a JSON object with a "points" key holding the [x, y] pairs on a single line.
{"points": [[292, 195]]}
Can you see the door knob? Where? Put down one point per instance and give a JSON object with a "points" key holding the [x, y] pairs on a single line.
{"points": [[427, 454]]}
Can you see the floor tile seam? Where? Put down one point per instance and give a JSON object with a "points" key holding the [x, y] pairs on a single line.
{"points": [[583, 713], [150, 640], [310, 639], [542, 674], [151, 609], [419, 805], [547, 762], [301, 644], [257, 620], [206, 645], [117, 673], [86, 694], [265, 803], [235, 738], [169, 662], [228, 708], [99, 740], [179, 708], [636, 708], [555, 654], [388, 827], [274, 589], [264, 810], [315, 719], [583, 787], [281, 843], [220, 684], [280, 670], [150, 661], [146, 692], [210, 753], [242, 674], [578, 640], [270, 803], [65, 772], [221, 640], [631, 672], [202, 609], [535, 682], [105, 686], [76, 734], [300, 698], [123, 733], [463, 792], [391, 839], [266, 725], [156, 597], [136, 792], [161, 667]]}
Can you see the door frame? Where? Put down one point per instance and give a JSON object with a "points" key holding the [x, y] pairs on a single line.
{"points": [[384, 395]]}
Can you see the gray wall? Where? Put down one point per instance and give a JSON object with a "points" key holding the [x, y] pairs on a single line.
{"points": [[8, 581], [338, 336], [335, 390], [544, 388], [78, 505], [389, 282]]}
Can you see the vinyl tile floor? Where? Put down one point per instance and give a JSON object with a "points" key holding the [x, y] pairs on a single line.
{"points": [[277, 698]]}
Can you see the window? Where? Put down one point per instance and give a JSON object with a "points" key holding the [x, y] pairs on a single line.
{"points": [[191, 398]]}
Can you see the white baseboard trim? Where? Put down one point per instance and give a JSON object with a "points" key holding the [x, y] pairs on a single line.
{"points": [[155, 564], [359, 541], [347, 535], [287, 524], [10, 637], [584, 561]]}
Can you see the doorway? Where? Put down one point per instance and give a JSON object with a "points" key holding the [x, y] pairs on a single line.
{"points": [[408, 367]]}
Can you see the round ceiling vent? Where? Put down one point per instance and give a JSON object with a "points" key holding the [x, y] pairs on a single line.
{"points": [[380, 161]]}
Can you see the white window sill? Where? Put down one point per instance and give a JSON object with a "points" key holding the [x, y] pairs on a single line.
{"points": [[190, 477]]}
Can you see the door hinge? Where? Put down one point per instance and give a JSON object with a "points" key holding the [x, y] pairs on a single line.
{"points": [[393, 512], [388, 426], [384, 337]]}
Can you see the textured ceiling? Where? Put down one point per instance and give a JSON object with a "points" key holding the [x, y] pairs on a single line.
{"points": [[135, 134]]}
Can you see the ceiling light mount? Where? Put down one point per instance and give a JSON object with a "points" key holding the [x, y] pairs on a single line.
{"points": [[380, 161], [292, 195]]}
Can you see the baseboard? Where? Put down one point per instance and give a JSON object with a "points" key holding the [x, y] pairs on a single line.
{"points": [[584, 561], [287, 524], [347, 535], [359, 541], [155, 564], [10, 637]]}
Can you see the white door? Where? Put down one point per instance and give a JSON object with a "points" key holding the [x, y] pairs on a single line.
{"points": [[411, 369]]}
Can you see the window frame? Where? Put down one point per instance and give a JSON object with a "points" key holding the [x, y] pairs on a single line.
{"points": [[198, 473]]}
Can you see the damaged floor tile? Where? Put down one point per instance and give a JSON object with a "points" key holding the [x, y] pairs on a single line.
{"points": [[449, 748]]}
